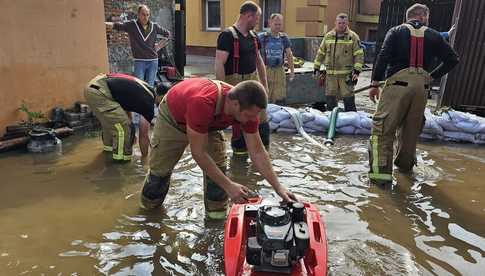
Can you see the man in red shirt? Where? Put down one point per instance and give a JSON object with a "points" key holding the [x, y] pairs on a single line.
{"points": [[193, 113]]}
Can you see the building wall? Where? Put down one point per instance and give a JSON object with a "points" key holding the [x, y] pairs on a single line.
{"points": [[49, 50], [198, 38], [119, 52]]}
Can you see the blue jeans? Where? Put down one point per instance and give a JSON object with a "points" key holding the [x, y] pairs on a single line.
{"points": [[145, 70]]}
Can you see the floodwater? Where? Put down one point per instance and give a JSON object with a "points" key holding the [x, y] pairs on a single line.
{"points": [[77, 213]]}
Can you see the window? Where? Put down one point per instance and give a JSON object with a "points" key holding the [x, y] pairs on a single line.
{"points": [[213, 15], [269, 7]]}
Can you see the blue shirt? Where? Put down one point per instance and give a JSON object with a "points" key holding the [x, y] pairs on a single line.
{"points": [[273, 48]]}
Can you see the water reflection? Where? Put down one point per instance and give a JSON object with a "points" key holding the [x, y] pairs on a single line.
{"points": [[77, 213]]}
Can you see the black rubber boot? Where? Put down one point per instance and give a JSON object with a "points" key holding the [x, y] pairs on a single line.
{"points": [[331, 102], [215, 198], [154, 191], [264, 133], [349, 104]]}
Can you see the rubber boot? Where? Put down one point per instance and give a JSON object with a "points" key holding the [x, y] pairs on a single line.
{"points": [[215, 198], [264, 133], [238, 143], [331, 102], [154, 191], [349, 104]]}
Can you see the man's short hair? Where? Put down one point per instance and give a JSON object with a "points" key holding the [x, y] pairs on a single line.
{"points": [[274, 15], [417, 10], [249, 6], [142, 6], [342, 15], [249, 93]]}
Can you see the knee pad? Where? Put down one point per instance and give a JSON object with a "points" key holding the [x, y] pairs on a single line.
{"points": [[156, 187]]}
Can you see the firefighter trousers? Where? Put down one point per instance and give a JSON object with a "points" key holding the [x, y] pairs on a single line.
{"points": [[117, 131], [276, 84], [400, 109]]}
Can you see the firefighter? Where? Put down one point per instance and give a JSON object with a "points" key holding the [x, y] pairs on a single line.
{"points": [[275, 46], [112, 98], [406, 60], [343, 59], [193, 113], [238, 59]]}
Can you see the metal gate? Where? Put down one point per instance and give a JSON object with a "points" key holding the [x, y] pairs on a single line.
{"points": [[465, 85]]}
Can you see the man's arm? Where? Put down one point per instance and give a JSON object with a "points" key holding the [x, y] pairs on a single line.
{"points": [[144, 139], [358, 54], [446, 55], [259, 156], [261, 71], [291, 65], [381, 64], [198, 146], [221, 58]]}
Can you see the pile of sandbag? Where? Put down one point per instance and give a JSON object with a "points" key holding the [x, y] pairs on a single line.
{"points": [[449, 125], [461, 126]]}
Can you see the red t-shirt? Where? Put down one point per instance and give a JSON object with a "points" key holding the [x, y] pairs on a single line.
{"points": [[193, 102]]}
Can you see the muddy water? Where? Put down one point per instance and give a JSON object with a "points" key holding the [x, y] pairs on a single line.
{"points": [[76, 213]]}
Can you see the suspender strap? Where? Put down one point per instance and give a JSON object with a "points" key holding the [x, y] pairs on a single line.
{"points": [[219, 98], [236, 48], [235, 54], [416, 56]]}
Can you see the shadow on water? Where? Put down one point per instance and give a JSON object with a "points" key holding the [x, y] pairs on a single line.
{"points": [[77, 213]]}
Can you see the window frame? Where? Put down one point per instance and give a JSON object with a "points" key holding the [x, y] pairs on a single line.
{"points": [[206, 19]]}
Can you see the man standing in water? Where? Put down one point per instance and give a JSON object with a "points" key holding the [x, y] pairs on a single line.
{"points": [[407, 53], [343, 58], [237, 59], [275, 47], [193, 113], [143, 41]]}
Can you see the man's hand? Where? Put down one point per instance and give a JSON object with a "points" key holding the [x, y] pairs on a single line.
{"points": [[238, 193], [161, 44], [292, 76], [374, 94], [355, 77], [286, 195]]}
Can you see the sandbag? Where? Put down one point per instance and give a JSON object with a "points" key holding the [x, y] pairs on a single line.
{"points": [[307, 116], [271, 108], [362, 131], [286, 130], [365, 120], [430, 125], [280, 115], [287, 124], [273, 126], [313, 125], [456, 136], [346, 130], [322, 121], [351, 118]]}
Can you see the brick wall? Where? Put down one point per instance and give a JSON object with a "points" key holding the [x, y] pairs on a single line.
{"points": [[119, 52]]}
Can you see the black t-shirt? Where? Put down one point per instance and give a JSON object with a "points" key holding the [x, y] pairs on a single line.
{"points": [[247, 51], [132, 94]]}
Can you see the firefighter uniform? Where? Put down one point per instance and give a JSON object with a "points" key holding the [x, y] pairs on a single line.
{"points": [[404, 96], [240, 58], [110, 97], [342, 56]]}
